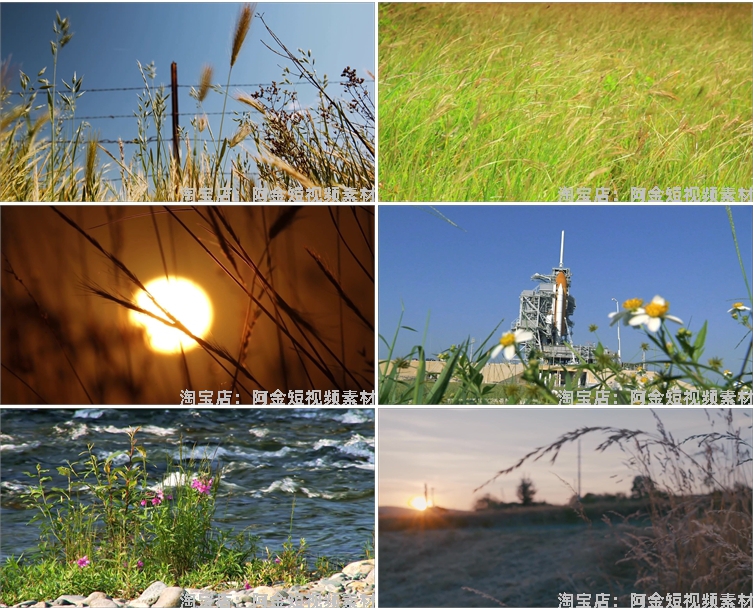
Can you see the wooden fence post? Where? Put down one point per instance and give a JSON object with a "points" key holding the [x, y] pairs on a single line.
{"points": [[174, 88]]}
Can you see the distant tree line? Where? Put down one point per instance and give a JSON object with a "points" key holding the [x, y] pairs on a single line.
{"points": [[643, 488]]}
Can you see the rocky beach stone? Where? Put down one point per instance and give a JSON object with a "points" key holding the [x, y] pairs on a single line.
{"points": [[170, 598], [355, 583], [152, 593], [104, 603], [69, 600]]}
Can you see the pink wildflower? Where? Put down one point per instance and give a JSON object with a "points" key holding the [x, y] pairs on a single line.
{"points": [[139, 564], [83, 562], [202, 487], [159, 498]]}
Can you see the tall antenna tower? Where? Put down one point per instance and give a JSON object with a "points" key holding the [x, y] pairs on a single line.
{"points": [[579, 494]]}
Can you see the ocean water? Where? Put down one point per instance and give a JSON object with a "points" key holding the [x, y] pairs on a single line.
{"points": [[322, 458]]}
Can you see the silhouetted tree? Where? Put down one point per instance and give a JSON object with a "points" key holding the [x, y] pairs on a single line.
{"points": [[642, 486], [487, 501], [526, 491]]}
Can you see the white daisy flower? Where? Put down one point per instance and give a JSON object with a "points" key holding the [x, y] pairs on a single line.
{"points": [[737, 307], [630, 306], [652, 314], [508, 341]]}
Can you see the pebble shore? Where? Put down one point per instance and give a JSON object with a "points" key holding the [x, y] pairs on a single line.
{"points": [[353, 587]]}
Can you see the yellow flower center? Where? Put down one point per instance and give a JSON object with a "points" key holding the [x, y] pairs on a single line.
{"points": [[657, 310], [738, 305], [507, 340], [633, 304]]}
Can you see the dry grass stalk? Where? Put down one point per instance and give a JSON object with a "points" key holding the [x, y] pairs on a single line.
{"points": [[274, 161], [58, 339], [697, 542], [343, 296]]}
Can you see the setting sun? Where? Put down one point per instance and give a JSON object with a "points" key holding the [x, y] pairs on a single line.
{"points": [[186, 301], [418, 502]]}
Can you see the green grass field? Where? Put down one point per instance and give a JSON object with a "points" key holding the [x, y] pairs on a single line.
{"points": [[511, 102]]}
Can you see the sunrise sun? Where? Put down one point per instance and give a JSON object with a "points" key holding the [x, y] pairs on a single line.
{"points": [[183, 299], [418, 502]]}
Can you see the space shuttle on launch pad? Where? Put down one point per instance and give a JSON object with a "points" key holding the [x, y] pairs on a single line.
{"points": [[559, 305], [547, 309]]}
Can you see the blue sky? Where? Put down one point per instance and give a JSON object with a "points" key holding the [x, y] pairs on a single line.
{"points": [[456, 450], [109, 38], [471, 279]]}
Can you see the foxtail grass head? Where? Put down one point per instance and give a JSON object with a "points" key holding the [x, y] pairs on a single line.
{"points": [[91, 159], [241, 29], [205, 82]]}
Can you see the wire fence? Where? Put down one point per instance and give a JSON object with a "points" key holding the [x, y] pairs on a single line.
{"points": [[135, 141], [191, 86]]}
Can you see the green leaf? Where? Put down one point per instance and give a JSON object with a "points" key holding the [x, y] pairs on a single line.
{"points": [[418, 387], [440, 387], [700, 340]]}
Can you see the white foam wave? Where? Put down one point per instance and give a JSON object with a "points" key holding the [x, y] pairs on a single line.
{"points": [[149, 429], [355, 416], [78, 430], [283, 485], [116, 459], [90, 413], [157, 430], [13, 487], [357, 445], [19, 447]]}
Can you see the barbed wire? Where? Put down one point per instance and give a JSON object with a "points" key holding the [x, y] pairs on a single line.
{"points": [[120, 179], [191, 86], [147, 114], [136, 141]]}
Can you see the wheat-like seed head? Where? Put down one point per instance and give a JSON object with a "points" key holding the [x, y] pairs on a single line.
{"points": [[254, 103], [243, 131], [91, 160], [205, 82], [241, 29]]}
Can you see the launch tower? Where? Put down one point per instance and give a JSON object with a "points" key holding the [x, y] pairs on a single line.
{"points": [[546, 311]]}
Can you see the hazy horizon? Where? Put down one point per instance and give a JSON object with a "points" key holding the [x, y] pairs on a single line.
{"points": [[455, 451]]}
